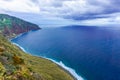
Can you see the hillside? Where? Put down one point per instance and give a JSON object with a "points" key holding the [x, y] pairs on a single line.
{"points": [[11, 26], [18, 65]]}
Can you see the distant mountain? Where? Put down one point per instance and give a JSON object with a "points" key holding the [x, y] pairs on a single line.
{"points": [[11, 26], [79, 27]]}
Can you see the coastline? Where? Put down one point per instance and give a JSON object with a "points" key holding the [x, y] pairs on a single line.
{"points": [[16, 36], [67, 69], [60, 64]]}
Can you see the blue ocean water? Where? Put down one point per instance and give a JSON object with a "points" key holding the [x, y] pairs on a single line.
{"points": [[93, 52]]}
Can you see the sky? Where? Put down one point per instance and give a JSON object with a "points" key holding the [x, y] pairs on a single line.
{"points": [[83, 12]]}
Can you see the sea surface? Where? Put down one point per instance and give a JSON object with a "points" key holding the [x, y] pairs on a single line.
{"points": [[92, 52]]}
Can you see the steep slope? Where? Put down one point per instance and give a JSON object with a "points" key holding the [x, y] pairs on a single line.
{"points": [[12, 65], [11, 26], [17, 65]]}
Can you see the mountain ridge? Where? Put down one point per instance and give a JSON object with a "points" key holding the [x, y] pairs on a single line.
{"points": [[18, 65], [11, 26]]}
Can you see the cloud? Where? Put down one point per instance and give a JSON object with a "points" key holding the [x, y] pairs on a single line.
{"points": [[79, 10], [108, 19], [19, 6]]}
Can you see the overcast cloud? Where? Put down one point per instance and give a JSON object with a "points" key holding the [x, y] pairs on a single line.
{"points": [[106, 11]]}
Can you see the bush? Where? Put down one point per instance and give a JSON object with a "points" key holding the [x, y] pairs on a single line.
{"points": [[2, 49], [2, 70], [10, 69], [18, 60]]}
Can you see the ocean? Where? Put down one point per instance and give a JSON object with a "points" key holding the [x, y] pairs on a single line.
{"points": [[88, 52]]}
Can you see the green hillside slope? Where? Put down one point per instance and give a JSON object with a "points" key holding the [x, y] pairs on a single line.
{"points": [[18, 65], [11, 26]]}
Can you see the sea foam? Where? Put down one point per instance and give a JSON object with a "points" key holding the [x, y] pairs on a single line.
{"points": [[20, 47], [70, 70]]}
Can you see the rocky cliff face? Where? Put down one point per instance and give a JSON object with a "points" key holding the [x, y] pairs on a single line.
{"points": [[11, 26]]}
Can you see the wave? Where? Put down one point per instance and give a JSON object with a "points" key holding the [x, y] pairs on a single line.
{"points": [[20, 47], [61, 64], [70, 70]]}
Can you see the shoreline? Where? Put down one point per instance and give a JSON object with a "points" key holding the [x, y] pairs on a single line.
{"points": [[67, 69], [60, 64]]}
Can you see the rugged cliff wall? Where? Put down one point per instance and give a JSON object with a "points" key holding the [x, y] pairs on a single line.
{"points": [[11, 26]]}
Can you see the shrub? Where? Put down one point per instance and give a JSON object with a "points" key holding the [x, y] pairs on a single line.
{"points": [[2, 70], [18, 60], [2, 49]]}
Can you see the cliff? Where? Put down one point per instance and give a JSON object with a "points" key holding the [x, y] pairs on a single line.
{"points": [[11, 26], [18, 65]]}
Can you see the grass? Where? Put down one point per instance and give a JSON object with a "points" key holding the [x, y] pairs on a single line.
{"points": [[18, 65], [44, 68]]}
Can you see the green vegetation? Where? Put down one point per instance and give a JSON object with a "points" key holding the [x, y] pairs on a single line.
{"points": [[11, 26], [5, 22], [17, 65], [13, 60]]}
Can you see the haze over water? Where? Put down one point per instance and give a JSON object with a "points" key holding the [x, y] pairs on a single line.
{"points": [[93, 52]]}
